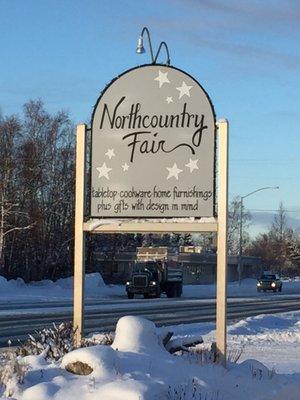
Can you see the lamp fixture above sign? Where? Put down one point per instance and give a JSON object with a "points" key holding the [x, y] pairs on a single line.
{"points": [[140, 47], [153, 147]]}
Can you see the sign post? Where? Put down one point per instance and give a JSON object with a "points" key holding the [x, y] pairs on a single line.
{"points": [[221, 312], [79, 237], [153, 169]]}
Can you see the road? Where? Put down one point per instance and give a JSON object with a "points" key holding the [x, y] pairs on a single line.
{"points": [[19, 319]]}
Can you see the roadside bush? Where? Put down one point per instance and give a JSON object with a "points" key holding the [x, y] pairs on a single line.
{"points": [[57, 341], [12, 373]]}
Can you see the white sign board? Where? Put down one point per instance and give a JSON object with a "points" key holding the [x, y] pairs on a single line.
{"points": [[153, 147]]}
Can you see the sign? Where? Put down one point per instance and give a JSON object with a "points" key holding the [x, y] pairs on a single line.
{"points": [[153, 147]]}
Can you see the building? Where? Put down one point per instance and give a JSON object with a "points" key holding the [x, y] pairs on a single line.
{"points": [[197, 268]]}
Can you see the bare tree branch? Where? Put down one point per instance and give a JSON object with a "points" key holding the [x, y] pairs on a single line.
{"points": [[18, 228]]}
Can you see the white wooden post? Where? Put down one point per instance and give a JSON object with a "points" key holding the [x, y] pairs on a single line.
{"points": [[221, 318], [79, 254]]}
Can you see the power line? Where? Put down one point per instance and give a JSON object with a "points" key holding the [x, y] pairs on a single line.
{"points": [[260, 210]]}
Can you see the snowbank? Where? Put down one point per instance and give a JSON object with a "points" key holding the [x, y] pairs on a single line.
{"points": [[137, 367], [272, 339], [17, 289], [96, 289], [247, 288]]}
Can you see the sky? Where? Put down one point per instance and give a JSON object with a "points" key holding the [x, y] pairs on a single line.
{"points": [[246, 54]]}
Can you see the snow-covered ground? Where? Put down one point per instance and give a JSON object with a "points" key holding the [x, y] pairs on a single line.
{"points": [[272, 339], [137, 366], [247, 288], [17, 290]]}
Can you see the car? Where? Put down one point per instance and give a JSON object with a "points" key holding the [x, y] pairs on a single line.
{"points": [[269, 281]]}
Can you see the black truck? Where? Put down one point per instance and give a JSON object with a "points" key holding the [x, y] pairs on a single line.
{"points": [[152, 276], [269, 281]]}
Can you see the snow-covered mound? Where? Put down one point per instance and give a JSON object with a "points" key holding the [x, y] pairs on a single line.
{"points": [[138, 367], [102, 360], [95, 287], [136, 334]]}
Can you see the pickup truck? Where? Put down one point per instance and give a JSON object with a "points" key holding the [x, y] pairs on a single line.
{"points": [[269, 282]]}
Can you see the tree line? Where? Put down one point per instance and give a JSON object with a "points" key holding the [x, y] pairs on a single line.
{"points": [[36, 193], [278, 248], [37, 163]]}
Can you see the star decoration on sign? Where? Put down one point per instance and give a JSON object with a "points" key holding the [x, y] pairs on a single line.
{"points": [[192, 165], [162, 78], [169, 100], [125, 167], [174, 172], [110, 153], [184, 90], [103, 171]]}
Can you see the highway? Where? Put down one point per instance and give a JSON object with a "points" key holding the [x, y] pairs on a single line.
{"points": [[18, 319]]}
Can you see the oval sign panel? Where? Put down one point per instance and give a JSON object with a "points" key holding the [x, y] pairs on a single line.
{"points": [[153, 147]]}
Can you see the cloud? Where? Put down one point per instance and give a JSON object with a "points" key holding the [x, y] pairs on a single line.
{"points": [[265, 219], [265, 14], [246, 51], [259, 31]]}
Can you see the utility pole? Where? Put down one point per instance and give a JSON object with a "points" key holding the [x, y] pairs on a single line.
{"points": [[240, 242], [240, 263]]}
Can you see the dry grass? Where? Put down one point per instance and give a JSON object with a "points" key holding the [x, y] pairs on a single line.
{"points": [[192, 391]]}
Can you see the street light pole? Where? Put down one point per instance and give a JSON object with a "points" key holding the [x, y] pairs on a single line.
{"points": [[240, 241], [240, 263]]}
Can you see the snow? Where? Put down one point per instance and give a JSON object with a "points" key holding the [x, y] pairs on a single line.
{"points": [[35, 362], [93, 224], [95, 288], [138, 367], [136, 334], [277, 338], [101, 358], [272, 339], [17, 289], [247, 288], [44, 390]]}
